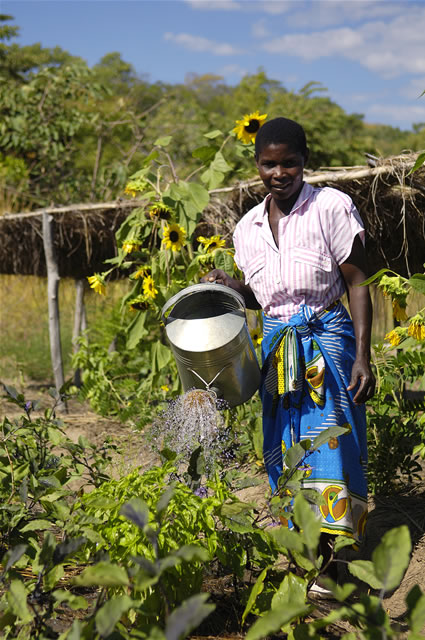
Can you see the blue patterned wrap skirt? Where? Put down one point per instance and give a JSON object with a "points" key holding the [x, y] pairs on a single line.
{"points": [[307, 366]]}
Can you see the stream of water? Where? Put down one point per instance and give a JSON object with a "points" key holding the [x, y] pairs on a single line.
{"points": [[190, 421]]}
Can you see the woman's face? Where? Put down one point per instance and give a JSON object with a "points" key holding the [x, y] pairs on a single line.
{"points": [[281, 170]]}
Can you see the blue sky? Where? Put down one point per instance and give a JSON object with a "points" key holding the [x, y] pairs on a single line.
{"points": [[370, 55]]}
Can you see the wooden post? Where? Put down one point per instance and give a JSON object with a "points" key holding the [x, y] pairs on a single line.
{"points": [[53, 305], [80, 323]]}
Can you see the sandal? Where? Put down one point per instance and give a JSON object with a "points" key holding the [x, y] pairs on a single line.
{"points": [[321, 592]]}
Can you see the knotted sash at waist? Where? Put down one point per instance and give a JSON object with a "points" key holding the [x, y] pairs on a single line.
{"points": [[292, 354]]}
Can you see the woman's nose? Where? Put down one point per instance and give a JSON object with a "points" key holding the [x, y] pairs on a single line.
{"points": [[279, 171]]}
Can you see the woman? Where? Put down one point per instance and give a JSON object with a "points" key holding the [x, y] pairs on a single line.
{"points": [[300, 250]]}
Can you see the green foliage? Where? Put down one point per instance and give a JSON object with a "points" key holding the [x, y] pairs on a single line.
{"points": [[145, 541], [396, 434], [37, 463], [396, 424], [123, 382], [40, 119], [100, 123]]}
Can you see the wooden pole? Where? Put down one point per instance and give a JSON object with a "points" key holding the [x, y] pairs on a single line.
{"points": [[53, 305], [80, 324]]}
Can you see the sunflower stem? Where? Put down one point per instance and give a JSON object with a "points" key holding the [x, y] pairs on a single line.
{"points": [[152, 239], [167, 264], [225, 141], [173, 170]]}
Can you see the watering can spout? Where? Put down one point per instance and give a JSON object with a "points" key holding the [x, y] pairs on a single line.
{"points": [[208, 334]]}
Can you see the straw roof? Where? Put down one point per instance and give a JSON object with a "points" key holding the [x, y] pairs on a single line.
{"points": [[391, 203]]}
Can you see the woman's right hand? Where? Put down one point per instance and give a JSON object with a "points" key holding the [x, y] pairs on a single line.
{"points": [[220, 277]]}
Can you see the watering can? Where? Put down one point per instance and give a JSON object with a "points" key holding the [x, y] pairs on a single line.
{"points": [[208, 334]]}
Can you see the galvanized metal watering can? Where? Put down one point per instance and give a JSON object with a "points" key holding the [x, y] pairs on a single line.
{"points": [[208, 334]]}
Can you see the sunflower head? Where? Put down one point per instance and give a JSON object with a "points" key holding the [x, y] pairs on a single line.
{"points": [[396, 336], [174, 237], [130, 191], [141, 272], [130, 245], [140, 303], [256, 337], [212, 243], [399, 309], [247, 128], [97, 282], [135, 186], [417, 327], [149, 290], [160, 211]]}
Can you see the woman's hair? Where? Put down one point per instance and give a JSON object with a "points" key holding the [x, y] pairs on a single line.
{"points": [[281, 131]]}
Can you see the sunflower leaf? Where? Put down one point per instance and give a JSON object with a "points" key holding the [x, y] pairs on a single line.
{"points": [[163, 142], [213, 134], [205, 153]]}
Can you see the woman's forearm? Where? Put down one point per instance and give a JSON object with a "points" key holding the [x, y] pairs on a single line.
{"points": [[361, 314]]}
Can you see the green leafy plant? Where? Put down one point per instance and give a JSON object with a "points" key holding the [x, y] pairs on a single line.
{"points": [[37, 463], [396, 436]]}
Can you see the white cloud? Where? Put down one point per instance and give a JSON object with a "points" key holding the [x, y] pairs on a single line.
{"points": [[215, 5], [304, 13], [388, 48], [232, 70], [200, 44], [274, 7], [398, 113], [414, 89], [259, 29], [326, 13], [266, 6]]}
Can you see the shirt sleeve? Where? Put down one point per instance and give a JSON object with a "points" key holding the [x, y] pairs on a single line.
{"points": [[343, 224], [238, 248]]}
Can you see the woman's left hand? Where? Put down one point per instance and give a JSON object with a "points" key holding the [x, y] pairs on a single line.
{"points": [[362, 376]]}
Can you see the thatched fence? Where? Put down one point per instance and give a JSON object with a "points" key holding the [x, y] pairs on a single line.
{"points": [[74, 241]]}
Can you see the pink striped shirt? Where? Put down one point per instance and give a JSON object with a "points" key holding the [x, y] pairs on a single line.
{"points": [[314, 239]]}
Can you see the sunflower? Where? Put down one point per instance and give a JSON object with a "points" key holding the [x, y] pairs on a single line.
{"points": [[149, 290], [141, 272], [256, 337], [140, 303], [399, 310], [210, 244], [165, 388], [130, 245], [396, 336], [129, 191], [247, 128], [135, 186], [174, 237], [417, 327], [160, 211], [97, 283]]}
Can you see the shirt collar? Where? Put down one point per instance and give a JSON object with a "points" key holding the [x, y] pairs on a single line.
{"points": [[305, 193]]}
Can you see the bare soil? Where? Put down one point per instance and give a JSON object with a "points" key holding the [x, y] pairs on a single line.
{"points": [[385, 513]]}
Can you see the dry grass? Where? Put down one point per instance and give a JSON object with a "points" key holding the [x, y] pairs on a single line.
{"points": [[24, 337]]}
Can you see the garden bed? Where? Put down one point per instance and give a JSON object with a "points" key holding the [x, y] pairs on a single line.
{"points": [[386, 512]]}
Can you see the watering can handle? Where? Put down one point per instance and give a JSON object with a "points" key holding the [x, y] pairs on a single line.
{"points": [[205, 286]]}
